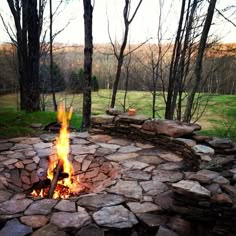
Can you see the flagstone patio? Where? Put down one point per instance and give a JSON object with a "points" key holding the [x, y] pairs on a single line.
{"points": [[130, 187]]}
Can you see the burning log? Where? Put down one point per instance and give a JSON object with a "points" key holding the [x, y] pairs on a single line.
{"points": [[56, 176]]}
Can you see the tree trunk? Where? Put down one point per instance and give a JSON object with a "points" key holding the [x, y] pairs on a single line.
{"points": [[198, 64], [88, 57], [51, 59]]}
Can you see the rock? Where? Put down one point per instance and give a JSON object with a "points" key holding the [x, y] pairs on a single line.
{"points": [[48, 137], [181, 226], [154, 160], [132, 164], [170, 128], [223, 143], [85, 165], [15, 176], [80, 158], [220, 180], [104, 151], [129, 189], [66, 205], [5, 195], [41, 207], [31, 167], [44, 152], [91, 173], [204, 176], [138, 208], [152, 219], [42, 145], [14, 227], [222, 198], [136, 119], [119, 141], [231, 190], [106, 167], [128, 149], [90, 230], [36, 159], [162, 231], [170, 156], [35, 221], [121, 156], [99, 200], [103, 138], [5, 146], [164, 200], [10, 161], [102, 119], [115, 217], [187, 142], [172, 166], [14, 206], [81, 150], [144, 145], [74, 220], [191, 188], [49, 230], [153, 187], [19, 165], [167, 176], [136, 174], [34, 177], [202, 149]]}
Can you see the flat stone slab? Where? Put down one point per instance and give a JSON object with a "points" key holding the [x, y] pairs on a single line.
{"points": [[75, 220], [153, 187], [136, 174], [202, 149], [133, 164], [5, 195], [129, 189], [128, 149], [15, 228], [115, 217], [136, 119], [49, 230], [170, 156], [167, 176], [152, 219], [66, 205], [102, 119], [41, 207], [138, 208], [121, 156], [100, 200], [221, 143], [91, 230], [35, 221], [14, 206], [5, 146], [192, 188]]}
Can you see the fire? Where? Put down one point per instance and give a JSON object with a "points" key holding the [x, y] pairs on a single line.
{"points": [[67, 185]]}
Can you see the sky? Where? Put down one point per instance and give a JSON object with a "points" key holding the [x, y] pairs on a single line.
{"points": [[143, 27]]}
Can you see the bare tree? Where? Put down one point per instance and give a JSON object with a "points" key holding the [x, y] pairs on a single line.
{"points": [[88, 59], [121, 54], [28, 18]]}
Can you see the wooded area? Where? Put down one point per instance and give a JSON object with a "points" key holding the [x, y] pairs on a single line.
{"points": [[192, 63]]}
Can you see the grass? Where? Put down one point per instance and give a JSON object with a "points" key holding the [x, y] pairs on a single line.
{"points": [[218, 120]]}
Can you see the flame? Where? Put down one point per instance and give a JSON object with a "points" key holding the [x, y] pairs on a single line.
{"points": [[67, 185]]}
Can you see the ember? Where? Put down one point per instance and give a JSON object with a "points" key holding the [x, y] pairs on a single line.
{"points": [[60, 170]]}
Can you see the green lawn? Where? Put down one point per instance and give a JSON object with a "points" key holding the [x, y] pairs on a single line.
{"points": [[219, 118]]}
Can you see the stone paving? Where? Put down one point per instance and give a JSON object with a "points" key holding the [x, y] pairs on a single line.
{"points": [[128, 188]]}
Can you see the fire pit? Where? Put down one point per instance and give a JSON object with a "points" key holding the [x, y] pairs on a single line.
{"points": [[123, 186]]}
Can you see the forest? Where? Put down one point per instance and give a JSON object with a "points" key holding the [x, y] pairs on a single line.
{"points": [[185, 71]]}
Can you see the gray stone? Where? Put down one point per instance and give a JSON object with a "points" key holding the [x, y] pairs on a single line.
{"points": [[138, 208], [136, 174], [129, 189], [121, 156], [115, 217], [10, 161], [167, 176], [191, 187], [109, 146], [5, 146], [170, 127], [41, 207], [152, 219], [15, 228], [35, 221], [80, 158], [202, 149], [97, 138], [104, 151], [4, 195], [170, 156], [164, 200], [221, 143], [132, 164], [154, 187], [49, 230], [128, 149], [14, 206], [42, 145], [48, 137], [119, 141], [80, 150], [20, 146], [154, 160], [162, 231], [100, 200], [136, 119], [204, 176], [46, 152], [188, 142], [102, 119], [172, 166], [75, 220], [90, 230], [31, 167], [66, 205]]}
